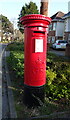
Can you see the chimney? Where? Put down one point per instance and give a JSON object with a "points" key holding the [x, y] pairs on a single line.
{"points": [[44, 7]]}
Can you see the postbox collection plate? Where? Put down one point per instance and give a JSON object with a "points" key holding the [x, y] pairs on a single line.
{"points": [[38, 45]]}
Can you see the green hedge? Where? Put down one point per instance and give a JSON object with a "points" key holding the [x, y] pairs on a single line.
{"points": [[57, 72], [58, 81]]}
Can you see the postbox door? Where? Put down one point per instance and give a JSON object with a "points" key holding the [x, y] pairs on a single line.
{"points": [[35, 64]]}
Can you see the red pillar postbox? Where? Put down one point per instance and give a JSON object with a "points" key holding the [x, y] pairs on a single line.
{"points": [[35, 42]]}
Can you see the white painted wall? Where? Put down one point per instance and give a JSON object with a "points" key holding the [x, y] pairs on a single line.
{"points": [[67, 25], [59, 29]]}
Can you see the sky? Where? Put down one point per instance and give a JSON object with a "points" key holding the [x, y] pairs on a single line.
{"points": [[12, 8]]}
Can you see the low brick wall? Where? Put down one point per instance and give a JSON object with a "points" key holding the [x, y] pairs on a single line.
{"points": [[67, 51]]}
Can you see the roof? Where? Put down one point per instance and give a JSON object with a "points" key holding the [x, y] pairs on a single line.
{"points": [[58, 20], [66, 15], [58, 15]]}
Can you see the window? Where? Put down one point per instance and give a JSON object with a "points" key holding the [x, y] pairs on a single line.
{"points": [[53, 39], [54, 26], [63, 41], [69, 38], [49, 39], [50, 27]]}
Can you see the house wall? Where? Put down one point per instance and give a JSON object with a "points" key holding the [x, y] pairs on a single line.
{"points": [[67, 36], [60, 29], [67, 30], [67, 25], [51, 33], [51, 36], [56, 31], [51, 39]]}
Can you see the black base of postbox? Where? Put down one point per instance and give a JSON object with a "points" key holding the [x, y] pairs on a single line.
{"points": [[33, 96]]}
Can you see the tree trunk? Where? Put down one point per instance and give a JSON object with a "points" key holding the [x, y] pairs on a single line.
{"points": [[44, 7]]}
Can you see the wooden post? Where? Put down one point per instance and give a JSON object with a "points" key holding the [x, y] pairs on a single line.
{"points": [[44, 7]]}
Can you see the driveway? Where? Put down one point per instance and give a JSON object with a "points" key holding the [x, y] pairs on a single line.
{"points": [[58, 52]]}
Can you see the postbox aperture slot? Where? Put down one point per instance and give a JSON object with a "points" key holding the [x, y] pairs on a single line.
{"points": [[38, 45], [39, 32], [42, 32]]}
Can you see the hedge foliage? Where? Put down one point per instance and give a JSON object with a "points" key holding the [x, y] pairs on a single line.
{"points": [[57, 72], [58, 81]]}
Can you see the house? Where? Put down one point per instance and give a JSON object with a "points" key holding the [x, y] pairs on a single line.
{"points": [[69, 6], [0, 30], [66, 19], [18, 35], [56, 28]]}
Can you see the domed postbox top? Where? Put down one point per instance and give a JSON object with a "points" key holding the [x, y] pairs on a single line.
{"points": [[35, 20]]}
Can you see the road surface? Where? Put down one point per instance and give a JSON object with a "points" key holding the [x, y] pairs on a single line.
{"points": [[0, 81], [7, 107], [4, 107]]}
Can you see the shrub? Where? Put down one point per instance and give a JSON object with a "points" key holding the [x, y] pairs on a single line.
{"points": [[57, 72], [58, 80]]}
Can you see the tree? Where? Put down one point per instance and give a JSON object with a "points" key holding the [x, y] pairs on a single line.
{"points": [[7, 26], [30, 8], [44, 7]]}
